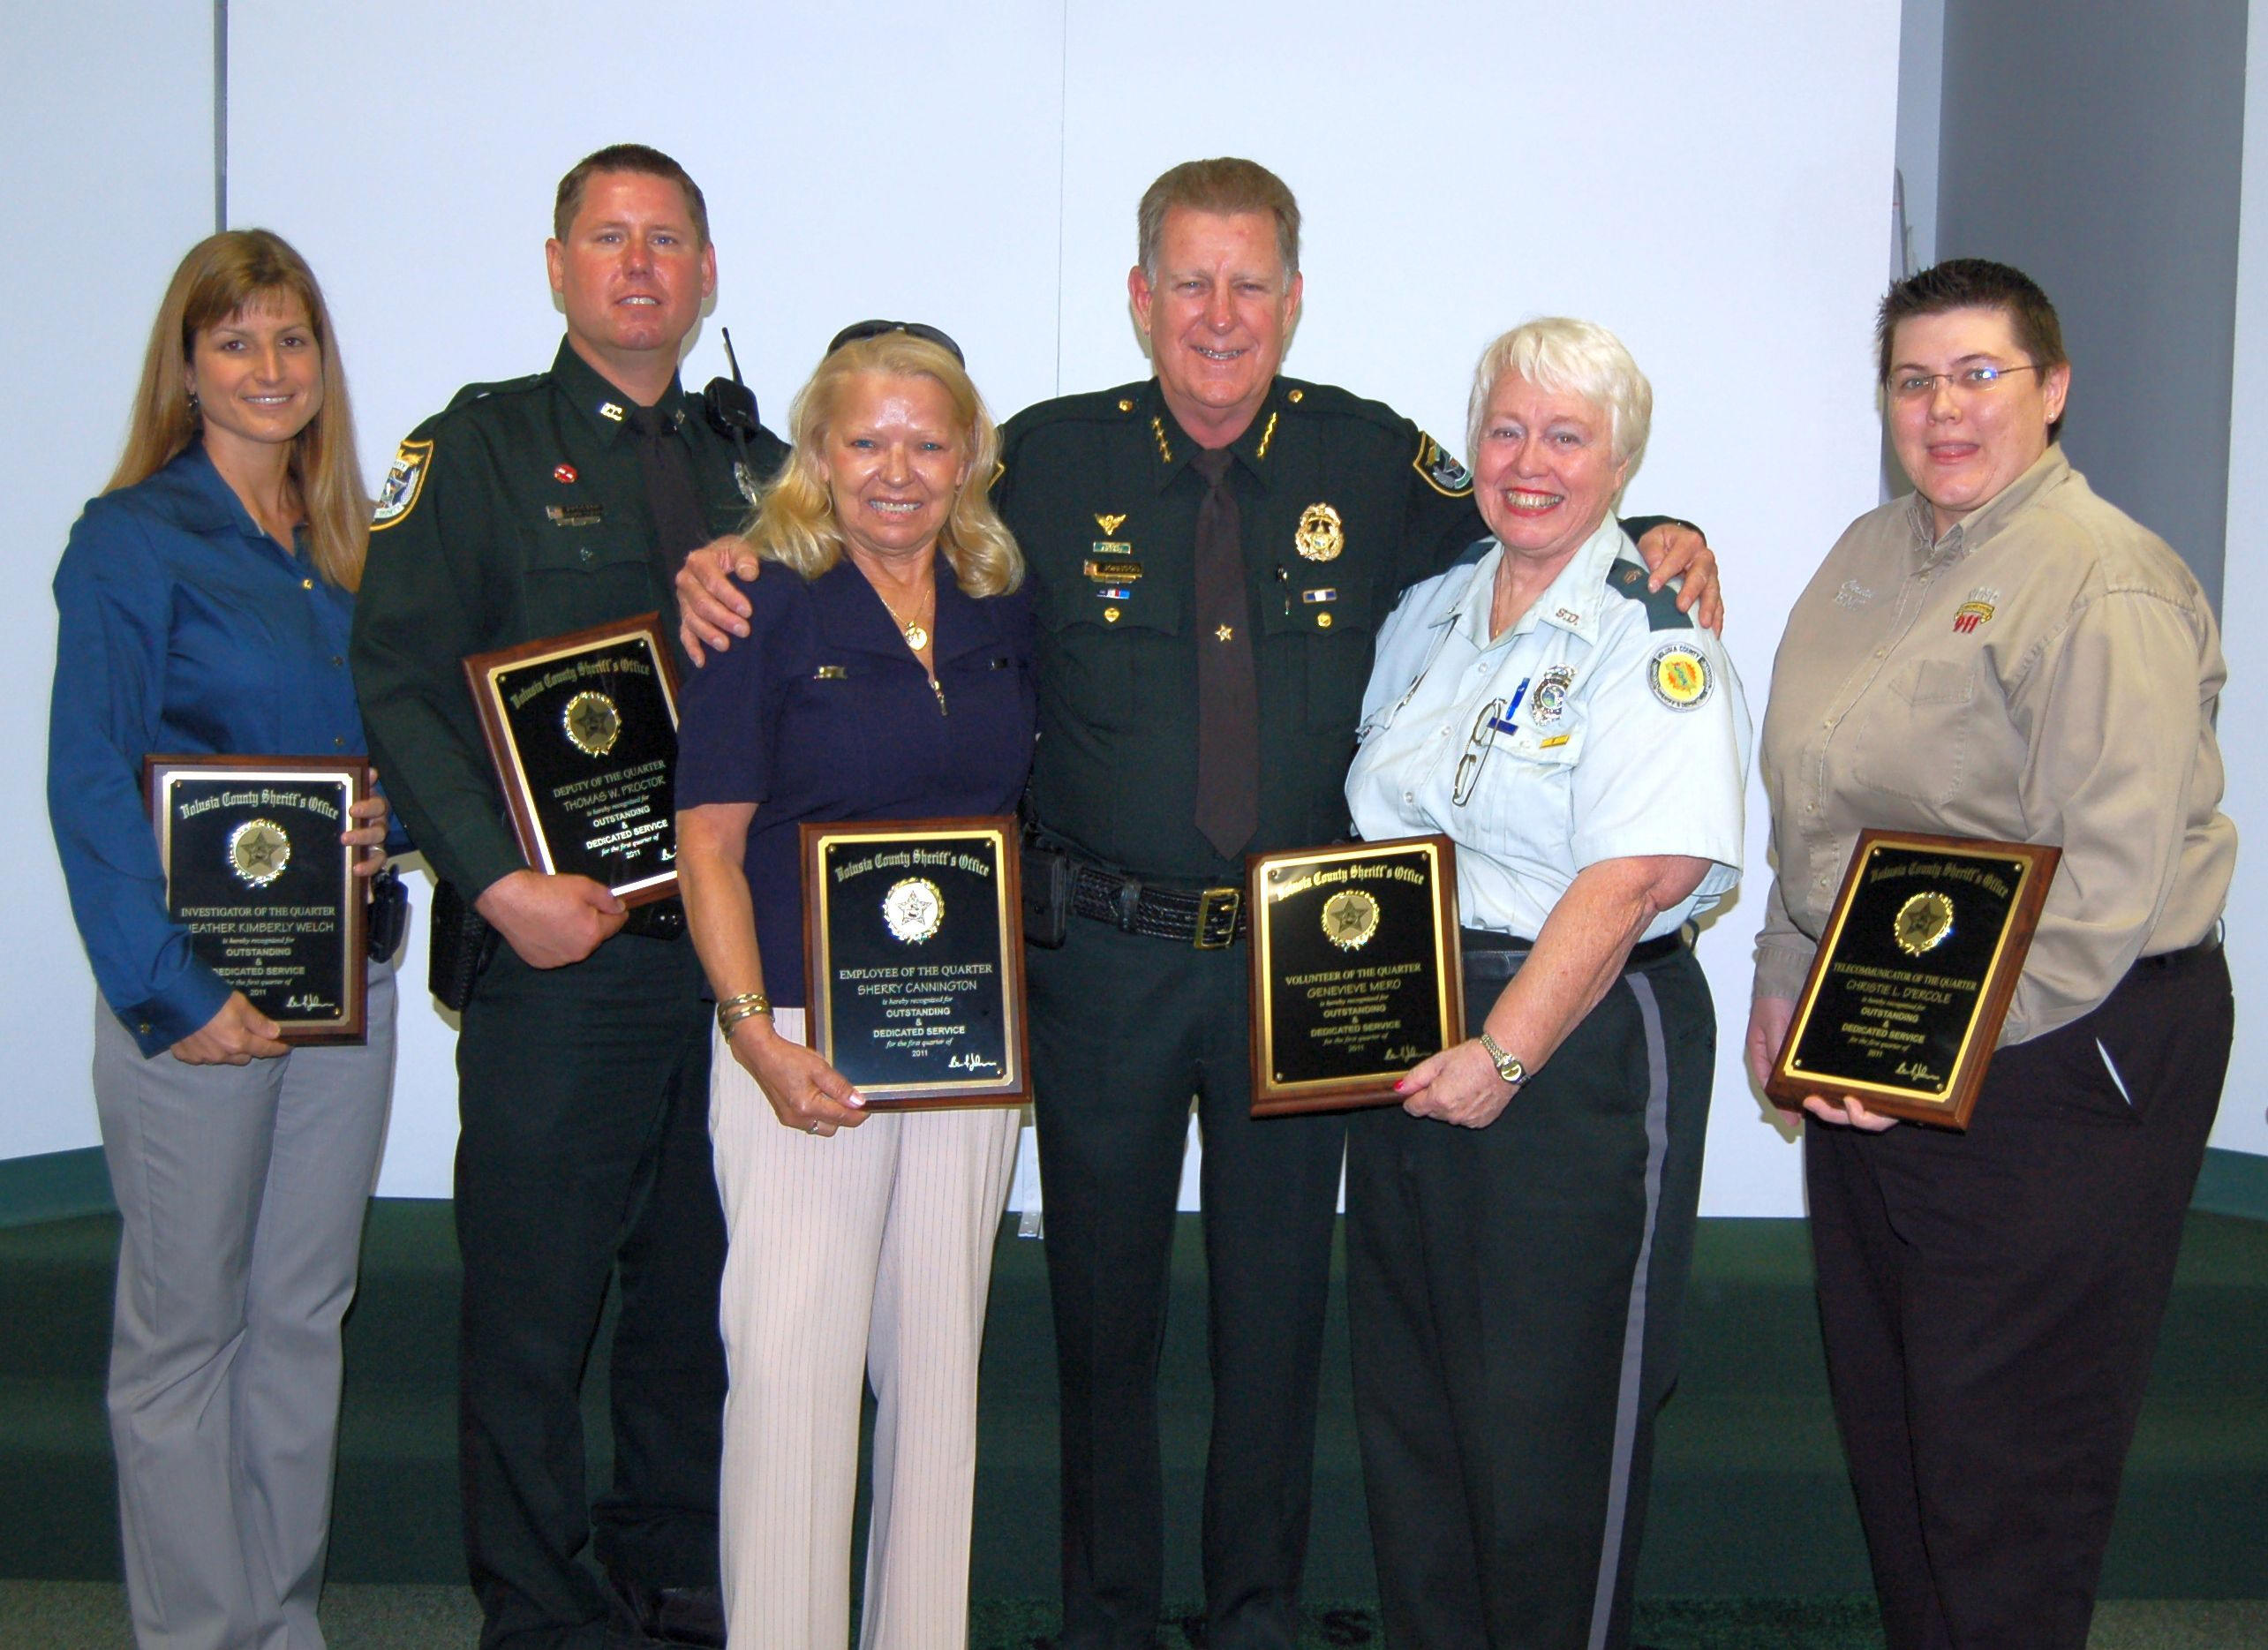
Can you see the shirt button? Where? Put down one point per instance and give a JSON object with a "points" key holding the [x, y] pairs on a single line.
{"points": [[340, 743], [1408, 796], [336, 662]]}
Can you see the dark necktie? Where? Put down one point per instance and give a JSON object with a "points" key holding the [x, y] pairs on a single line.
{"points": [[1228, 697], [679, 525]]}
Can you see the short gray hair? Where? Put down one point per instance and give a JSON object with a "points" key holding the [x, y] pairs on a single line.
{"points": [[1569, 357], [1226, 187]]}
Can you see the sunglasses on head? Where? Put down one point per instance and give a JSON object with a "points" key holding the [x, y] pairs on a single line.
{"points": [[920, 329]]}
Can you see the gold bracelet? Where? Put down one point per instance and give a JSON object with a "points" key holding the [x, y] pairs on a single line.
{"points": [[747, 1005]]}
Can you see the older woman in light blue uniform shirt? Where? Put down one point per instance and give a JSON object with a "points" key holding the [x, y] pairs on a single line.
{"points": [[1519, 1229]]}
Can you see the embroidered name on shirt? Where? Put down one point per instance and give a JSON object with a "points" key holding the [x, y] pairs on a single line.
{"points": [[1853, 595]]}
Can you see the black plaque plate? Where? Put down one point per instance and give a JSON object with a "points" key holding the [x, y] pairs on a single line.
{"points": [[913, 936], [1914, 973], [255, 870], [583, 729], [1356, 971]]}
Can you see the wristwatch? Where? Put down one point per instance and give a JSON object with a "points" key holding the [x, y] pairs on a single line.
{"points": [[1508, 1065]]}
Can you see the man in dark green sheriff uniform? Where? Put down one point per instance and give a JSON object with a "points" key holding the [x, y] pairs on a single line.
{"points": [[1157, 781], [530, 509]]}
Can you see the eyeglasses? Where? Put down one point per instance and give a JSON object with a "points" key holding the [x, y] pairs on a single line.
{"points": [[1477, 746], [921, 329], [1970, 381]]}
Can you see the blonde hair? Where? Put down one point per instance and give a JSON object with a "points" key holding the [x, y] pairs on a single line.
{"points": [[223, 276], [795, 522], [1570, 357]]}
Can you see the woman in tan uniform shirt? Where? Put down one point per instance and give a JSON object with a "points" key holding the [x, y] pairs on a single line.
{"points": [[2003, 654]]}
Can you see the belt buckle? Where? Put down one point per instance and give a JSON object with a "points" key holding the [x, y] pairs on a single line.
{"points": [[1221, 905]]}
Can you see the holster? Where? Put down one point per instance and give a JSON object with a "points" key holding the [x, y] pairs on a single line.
{"points": [[388, 917], [1047, 893], [463, 944]]}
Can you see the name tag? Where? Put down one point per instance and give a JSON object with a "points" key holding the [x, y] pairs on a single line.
{"points": [[1112, 571], [575, 515], [831, 673]]}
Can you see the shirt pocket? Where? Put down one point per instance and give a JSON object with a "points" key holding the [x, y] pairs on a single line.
{"points": [[1519, 799], [1111, 651], [1330, 627], [578, 577], [1913, 740]]}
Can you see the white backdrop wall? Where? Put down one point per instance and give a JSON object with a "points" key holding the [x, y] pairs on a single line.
{"points": [[107, 130], [1712, 183], [2243, 1122]]}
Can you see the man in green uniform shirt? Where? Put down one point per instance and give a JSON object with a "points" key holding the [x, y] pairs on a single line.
{"points": [[1332, 506], [530, 509]]}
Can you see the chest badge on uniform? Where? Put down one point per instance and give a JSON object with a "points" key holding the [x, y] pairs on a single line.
{"points": [[1321, 534], [1978, 609], [575, 515], [1350, 918], [405, 478], [1549, 703], [591, 722], [1679, 675], [1110, 524], [564, 474]]}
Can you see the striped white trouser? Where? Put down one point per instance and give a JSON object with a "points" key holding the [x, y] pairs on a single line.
{"points": [[872, 1246]]}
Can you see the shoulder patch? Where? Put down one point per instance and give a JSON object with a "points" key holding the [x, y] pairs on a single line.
{"points": [[1679, 675], [405, 479], [1443, 473], [1627, 579]]}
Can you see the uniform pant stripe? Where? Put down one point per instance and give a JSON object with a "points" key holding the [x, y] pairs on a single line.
{"points": [[1627, 1395]]}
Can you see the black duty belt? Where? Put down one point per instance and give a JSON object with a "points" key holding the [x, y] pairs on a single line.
{"points": [[1482, 943], [661, 919], [1208, 918]]}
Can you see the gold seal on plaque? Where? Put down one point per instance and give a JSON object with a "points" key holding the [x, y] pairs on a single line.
{"points": [[258, 852], [913, 909], [1321, 535], [1350, 918], [593, 723], [1923, 922]]}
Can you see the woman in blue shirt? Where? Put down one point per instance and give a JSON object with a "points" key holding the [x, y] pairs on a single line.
{"points": [[888, 675], [202, 605]]}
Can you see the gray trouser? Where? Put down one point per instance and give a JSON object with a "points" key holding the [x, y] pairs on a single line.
{"points": [[242, 1191]]}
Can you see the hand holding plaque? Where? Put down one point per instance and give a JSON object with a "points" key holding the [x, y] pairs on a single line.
{"points": [[915, 959], [1356, 970], [583, 729], [255, 870], [1914, 973]]}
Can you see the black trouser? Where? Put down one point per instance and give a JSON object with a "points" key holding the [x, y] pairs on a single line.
{"points": [[1991, 1302], [1514, 1295], [1125, 1028], [583, 1100]]}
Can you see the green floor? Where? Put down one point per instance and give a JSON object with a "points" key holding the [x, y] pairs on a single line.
{"points": [[1751, 1513], [91, 1616]]}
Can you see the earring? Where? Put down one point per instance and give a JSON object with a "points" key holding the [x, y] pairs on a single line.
{"points": [[194, 404]]}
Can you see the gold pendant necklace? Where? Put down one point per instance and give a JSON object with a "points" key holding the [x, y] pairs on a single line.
{"points": [[917, 636]]}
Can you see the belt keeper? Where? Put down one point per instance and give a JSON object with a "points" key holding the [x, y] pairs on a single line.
{"points": [[1127, 901]]}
